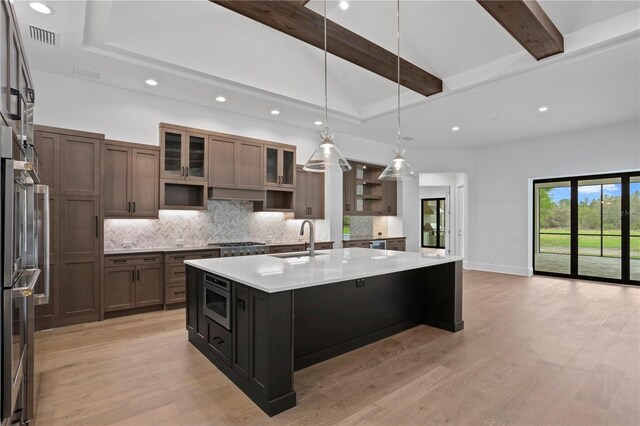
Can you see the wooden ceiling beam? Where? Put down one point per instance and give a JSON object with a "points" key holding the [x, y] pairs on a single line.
{"points": [[527, 22], [308, 26]]}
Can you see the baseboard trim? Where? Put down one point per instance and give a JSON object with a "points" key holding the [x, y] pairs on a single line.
{"points": [[501, 269]]}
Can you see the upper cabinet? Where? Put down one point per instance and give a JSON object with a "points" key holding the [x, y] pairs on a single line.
{"points": [[183, 154], [365, 195], [280, 166], [79, 165], [235, 163], [131, 180], [309, 195]]}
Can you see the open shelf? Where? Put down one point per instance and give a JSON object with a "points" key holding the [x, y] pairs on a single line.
{"points": [[183, 196], [276, 201]]}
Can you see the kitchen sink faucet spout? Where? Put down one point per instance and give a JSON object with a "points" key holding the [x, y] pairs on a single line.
{"points": [[312, 238]]}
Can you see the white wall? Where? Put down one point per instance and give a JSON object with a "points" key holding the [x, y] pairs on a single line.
{"points": [[501, 196]]}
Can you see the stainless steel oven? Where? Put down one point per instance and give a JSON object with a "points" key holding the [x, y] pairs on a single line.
{"points": [[378, 244], [217, 300]]}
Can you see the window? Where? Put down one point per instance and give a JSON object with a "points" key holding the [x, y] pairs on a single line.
{"points": [[433, 223], [588, 227]]}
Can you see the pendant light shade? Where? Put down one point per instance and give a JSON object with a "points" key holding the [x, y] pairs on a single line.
{"points": [[399, 168], [327, 157]]}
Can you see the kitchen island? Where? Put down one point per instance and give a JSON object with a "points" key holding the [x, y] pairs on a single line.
{"points": [[259, 318]]}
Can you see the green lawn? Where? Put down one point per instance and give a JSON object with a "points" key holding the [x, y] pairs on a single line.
{"points": [[552, 241]]}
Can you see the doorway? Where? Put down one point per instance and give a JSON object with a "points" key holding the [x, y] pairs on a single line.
{"points": [[434, 223]]}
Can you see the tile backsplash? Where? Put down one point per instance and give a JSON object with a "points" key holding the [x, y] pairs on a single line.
{"points": [[224, 221], [368, 225]]}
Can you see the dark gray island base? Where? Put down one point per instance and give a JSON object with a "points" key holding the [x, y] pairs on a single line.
{"points": [[273, 334]]}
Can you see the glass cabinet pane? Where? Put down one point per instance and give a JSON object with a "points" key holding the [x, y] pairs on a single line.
{"points": [[196, 155], [271, 175], [288, 167], [173, 152]]}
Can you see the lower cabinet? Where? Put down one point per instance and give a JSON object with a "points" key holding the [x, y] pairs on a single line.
{"points": [[79, 288], [358, 244], [174, 273], [286, 248], [133, 282]]}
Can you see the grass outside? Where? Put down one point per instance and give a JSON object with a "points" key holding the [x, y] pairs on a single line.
{"points": [[553, 241]]}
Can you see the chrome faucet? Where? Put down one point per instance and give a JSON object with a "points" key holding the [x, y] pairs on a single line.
{"points": [[312, 237]]}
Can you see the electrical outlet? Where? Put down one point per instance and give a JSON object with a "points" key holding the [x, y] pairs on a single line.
{"points": [[180, 242], [127, 244]]}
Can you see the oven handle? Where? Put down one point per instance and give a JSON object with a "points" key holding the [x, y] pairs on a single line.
{"points": [[43, 298], [27, 290]]}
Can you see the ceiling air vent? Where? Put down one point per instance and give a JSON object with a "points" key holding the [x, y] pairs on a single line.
{"points": [[41, 35], [407, 138], [86, 73]]}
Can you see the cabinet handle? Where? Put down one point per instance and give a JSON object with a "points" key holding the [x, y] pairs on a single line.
{"points": [[138, 272], [129, 207], [186, 171], [241, 304], [134, 207], [179, 257], [150, 259], [218, 340], [179, 292], [310, 210], [348, 207], [97, 236], [133, 275], [18, 115], [178, 273], [119, 260]]}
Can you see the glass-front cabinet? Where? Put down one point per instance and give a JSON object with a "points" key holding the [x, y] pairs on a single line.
{"points": [[280, 166], [184, 155]]}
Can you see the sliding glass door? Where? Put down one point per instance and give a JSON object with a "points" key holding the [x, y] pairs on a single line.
{"points": [[588, 227]]}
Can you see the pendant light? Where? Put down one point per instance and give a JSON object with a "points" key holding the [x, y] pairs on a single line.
{"points": [[399, 168], [327, 156]]}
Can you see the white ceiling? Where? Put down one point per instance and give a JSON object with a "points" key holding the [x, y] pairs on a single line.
{"points": [[198, 50]]}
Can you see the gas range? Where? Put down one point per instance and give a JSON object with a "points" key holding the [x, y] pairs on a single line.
{"points": [[242, 248]]}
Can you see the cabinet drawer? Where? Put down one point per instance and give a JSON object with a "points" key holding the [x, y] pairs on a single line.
{"points": [[396, 247], [395, 241], [286, 248], [219, 339], [174, 273], [324, 246], [174, 293], [132, 260], [359, 244], [182, 256]]}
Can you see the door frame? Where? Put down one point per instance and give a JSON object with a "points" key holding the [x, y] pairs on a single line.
{"points": [[441, 244]]}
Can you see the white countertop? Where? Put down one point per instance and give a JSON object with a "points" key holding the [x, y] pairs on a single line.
{"points": [[273, 274]]}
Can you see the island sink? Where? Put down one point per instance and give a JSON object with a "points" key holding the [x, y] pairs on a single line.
{"points": [[296, 254], [281, 316]]}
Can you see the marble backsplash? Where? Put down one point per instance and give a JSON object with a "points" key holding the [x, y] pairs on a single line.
{"points": [[224, 221], [367, 225]]}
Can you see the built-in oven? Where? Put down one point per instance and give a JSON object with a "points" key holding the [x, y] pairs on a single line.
{"points": [[378, 244], [217, 300]]}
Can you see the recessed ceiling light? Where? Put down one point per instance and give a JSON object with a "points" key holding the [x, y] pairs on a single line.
{"points": [[318, 123], [221, 99], [543, 109], [275, 112], [344, 5], [41, 8], [151, 82], [455, 128]]}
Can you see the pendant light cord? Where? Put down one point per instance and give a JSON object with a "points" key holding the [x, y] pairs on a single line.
{"points": [[398, 41], [326, 107]]}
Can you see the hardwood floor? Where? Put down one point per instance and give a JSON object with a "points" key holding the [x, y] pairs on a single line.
{"points": [[534, 350]]}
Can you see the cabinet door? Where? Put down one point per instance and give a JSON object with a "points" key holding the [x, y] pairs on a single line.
{"points": [[271, 166], [302, 191], [315, 194], [119, 288], [79, 166], [117, 181], [172, 154], [79, 287], [249, 165], [222, 163], [287, 168], [79, 226], [349, 191], [149, 286], [196, 157], [390, 198], [240, 318], [45, 144], [145, 183]]}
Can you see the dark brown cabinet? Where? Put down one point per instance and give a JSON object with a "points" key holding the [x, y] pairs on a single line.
{"points": [[131, 180], [279, 166], [80, 226], [133, 282], [365, 195], [79, 169], [235, 163], [174, 273], [286, 248], [183, 154], [309, 195], [79, 289]]}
